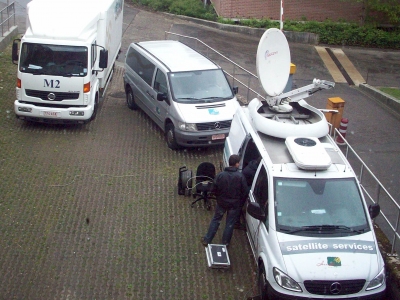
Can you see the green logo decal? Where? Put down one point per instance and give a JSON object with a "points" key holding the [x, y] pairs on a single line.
{"points": [[334, 261]]}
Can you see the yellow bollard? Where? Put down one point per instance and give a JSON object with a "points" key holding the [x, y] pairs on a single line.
{"points": [[335, 103]]}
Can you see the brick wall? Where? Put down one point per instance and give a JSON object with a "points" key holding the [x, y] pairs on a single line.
{"points": [[318, 10]]}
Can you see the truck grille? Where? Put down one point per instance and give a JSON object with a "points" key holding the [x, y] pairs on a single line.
{"points": [[214, 125], [343, 287], [44, 95]]}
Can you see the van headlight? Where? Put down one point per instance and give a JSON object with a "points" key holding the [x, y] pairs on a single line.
{"points": [[285, 281], [187, 126], [378, 281]]}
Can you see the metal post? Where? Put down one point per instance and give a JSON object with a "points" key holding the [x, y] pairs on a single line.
{"points": [[395, 231], [281, 17], [361, 174], [233, 75], [248, 90], [378, 192]]}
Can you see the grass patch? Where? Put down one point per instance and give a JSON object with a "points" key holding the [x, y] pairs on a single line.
{"points": [[391, 91], [8, 73]]}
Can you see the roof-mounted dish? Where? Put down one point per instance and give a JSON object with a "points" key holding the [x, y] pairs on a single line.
{"points": [[273, 61]]}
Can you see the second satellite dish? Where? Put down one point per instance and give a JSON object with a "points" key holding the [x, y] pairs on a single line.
{"points": [[273, 61]]}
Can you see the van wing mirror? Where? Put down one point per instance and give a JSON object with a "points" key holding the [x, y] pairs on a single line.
{"points": [[254, 210], [374, 210], [162, 96], [235, 90], [103, 63], [15, 51]]}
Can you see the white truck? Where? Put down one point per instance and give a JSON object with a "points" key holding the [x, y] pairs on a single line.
{"points": [[307, 221], [66, 59]]}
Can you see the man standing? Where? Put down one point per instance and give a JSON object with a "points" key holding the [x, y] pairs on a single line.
{"points": [[231, 190]]}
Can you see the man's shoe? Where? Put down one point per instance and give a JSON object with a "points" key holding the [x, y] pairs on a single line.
{"points": [[204, 242], [240, 227]]}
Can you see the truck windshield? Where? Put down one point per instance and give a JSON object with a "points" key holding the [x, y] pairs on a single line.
{"points": [[54, 60], [200, 86], [311, 207]]}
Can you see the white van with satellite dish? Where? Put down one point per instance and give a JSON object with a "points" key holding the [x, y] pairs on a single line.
{"points": [[307, 221], [187, 95]]}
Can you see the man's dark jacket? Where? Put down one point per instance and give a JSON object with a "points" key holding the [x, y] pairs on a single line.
{"points": [[250, 171], [230, 188]]}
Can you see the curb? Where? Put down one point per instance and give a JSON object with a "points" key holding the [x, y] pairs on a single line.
{"points": [[8, 35], [390, 102], [295, 37]]}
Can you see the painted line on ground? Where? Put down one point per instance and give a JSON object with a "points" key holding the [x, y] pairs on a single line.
{"points": [[331, 65], [351, 70]]}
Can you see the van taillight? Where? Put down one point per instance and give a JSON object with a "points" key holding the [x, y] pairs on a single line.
{"points": [[19, 83], [86, 87]]}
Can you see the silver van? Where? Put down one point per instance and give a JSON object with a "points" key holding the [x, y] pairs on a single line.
{"points": [[187, 95]]}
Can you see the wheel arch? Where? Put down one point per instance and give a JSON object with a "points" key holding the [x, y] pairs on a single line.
{"points": [[167, 122], [262, 261], [127, 87]]}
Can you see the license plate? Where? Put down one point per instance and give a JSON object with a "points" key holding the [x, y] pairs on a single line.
{"points": [[51, 114], [218, 137]]}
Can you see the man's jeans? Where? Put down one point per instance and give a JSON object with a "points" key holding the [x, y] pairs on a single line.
{"points": [[231, 218]]}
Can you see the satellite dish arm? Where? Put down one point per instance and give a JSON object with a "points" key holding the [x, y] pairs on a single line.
{"points": [[301, 93]]}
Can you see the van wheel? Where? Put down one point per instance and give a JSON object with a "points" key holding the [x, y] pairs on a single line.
{"points": [[262, 283], [130, 100], [170, 137], [96, 107]]}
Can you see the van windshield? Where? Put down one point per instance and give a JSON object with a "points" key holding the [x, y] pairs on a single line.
{"points": [[200, 86], [314, 207], [59, 60]]}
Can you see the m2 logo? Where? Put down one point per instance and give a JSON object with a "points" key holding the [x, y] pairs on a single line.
{"points": [[54, 84]]}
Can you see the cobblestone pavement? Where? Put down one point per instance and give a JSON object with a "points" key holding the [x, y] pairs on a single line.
{"points": [[92, 212]]}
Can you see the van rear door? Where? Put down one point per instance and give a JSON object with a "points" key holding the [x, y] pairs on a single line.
{"points": [[236, 139]]}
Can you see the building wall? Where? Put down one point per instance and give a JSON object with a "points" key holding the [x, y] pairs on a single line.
{"points": [[316, 10]]}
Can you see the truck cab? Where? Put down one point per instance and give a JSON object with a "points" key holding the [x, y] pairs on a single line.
{"points": [[65, 59], [308, 224]]}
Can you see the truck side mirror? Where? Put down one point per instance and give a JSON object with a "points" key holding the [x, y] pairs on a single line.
{"points": [[254, 210], [15, 50], [235, 90], [103, 63], [374, 210], [162, 96]]}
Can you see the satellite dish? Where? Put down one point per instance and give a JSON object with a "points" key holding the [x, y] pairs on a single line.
{"points": [[273, 61]]}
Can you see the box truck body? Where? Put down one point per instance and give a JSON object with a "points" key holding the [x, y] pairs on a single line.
{"points": [[66, 58]]}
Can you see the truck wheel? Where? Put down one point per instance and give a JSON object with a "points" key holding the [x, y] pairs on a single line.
{"points": [[262, 283], [170, 137], [130, 100], [96, 107]]}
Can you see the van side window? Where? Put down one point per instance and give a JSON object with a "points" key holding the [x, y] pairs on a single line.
{"points": [[261, 191], [160, 83], [141, 65]]}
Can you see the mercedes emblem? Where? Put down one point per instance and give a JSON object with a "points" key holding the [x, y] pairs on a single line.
{"points": [[335, 288], [217, 125], [51, 96]]}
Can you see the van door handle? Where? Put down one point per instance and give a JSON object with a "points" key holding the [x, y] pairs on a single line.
{"points": [[152, 97]]}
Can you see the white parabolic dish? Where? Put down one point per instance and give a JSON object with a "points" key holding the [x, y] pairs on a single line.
{"points": [[273, 61]]}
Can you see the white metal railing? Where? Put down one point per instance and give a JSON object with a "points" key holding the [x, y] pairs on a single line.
{"points": [[390, 209], [235, 72], [7, 17], [392, 223]]}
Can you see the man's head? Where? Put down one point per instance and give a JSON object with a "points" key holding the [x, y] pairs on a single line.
{"points": [[234, 160]]}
